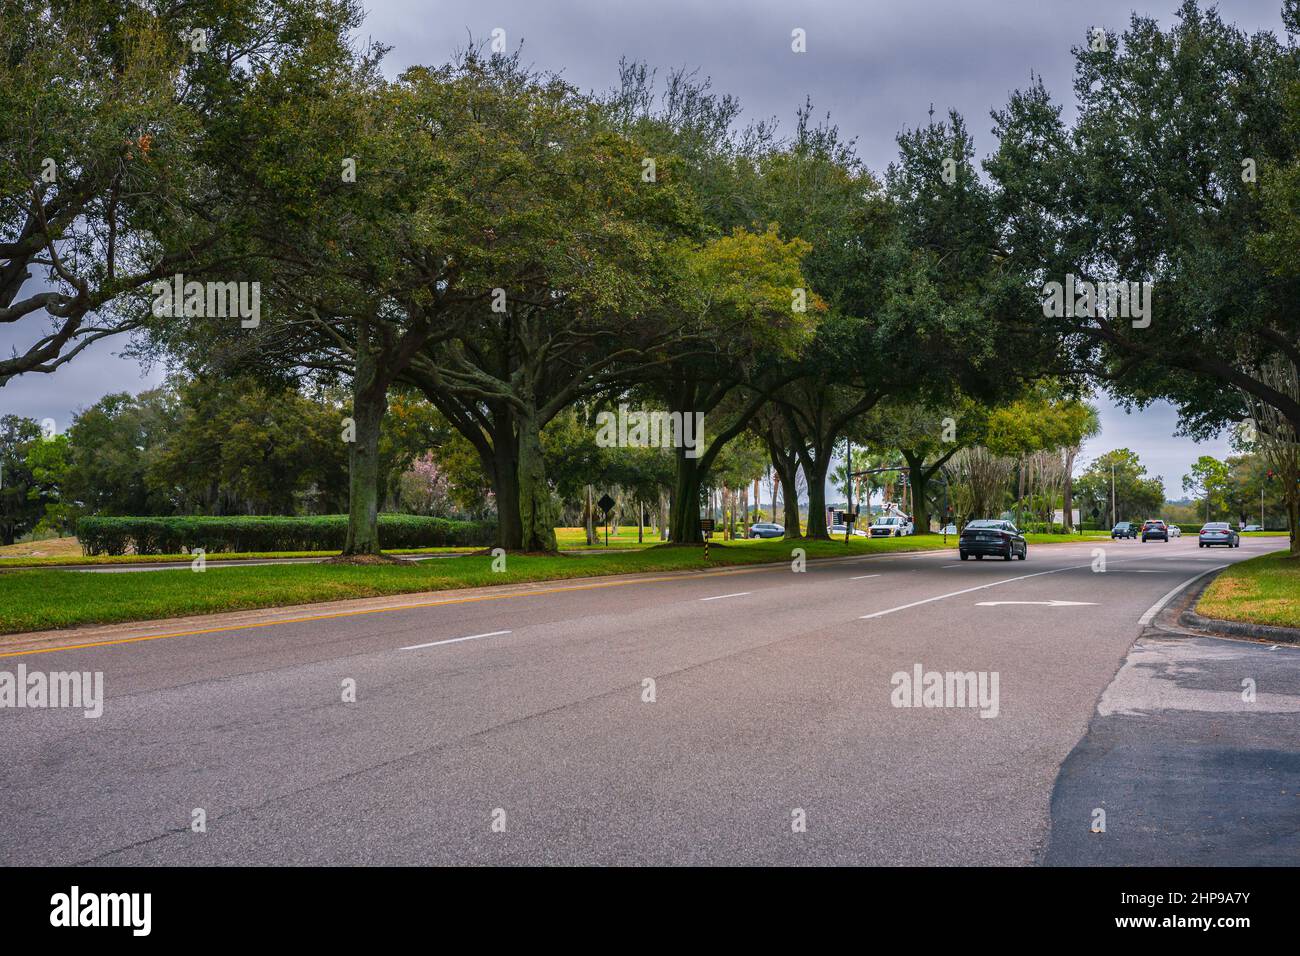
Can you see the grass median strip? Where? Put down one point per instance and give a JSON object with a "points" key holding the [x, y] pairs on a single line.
{"points": [[1263, 590], [66, 552], [35, 600]]}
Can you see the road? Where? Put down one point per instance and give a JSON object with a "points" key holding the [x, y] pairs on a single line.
{"points": [[517, 729]]}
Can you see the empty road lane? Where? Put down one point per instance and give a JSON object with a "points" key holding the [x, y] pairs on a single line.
{"points": [[750, 716]]}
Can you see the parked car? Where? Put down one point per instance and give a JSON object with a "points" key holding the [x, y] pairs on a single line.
{"points": [[948, 529], [1175, 531], [1125, 529], [1154, 528], [1218, 532], [837, 531], [1252, 527], [766, 529], [996, 538], [890, 526]]}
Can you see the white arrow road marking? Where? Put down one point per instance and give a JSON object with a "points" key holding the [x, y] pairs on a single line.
{"points": [[455, 640], [1048, 603], [719, 597], [978, 587]]}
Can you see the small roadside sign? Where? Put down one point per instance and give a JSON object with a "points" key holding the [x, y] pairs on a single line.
{"points": [[605, 504]]}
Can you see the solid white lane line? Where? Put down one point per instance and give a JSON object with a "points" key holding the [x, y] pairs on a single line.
{"points": [[719, 597], [1156, 608], [952, 565], [979, 587], [861, 576], [455, 640]]}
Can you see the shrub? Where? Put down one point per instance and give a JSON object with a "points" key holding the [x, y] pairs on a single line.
{"points": [[244, 534]]}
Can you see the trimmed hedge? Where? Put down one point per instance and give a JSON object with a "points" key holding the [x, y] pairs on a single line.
{"points": [[1043, 527], [250, 534]]}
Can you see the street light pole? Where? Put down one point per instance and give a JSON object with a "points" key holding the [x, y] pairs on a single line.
{"points": [[1113, 516], [848, 486]]}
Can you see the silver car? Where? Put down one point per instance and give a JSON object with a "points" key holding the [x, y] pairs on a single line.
{"points": [[1218, 532]]}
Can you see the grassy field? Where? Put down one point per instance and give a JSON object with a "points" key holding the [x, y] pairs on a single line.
{"points": [[40, 599], [1264, 590]]}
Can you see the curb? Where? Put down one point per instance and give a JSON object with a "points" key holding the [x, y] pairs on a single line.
{"points": [[1220, 628]]}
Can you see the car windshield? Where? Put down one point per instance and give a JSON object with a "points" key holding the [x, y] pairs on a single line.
{"points": [[887, 521], [1122, 524]]}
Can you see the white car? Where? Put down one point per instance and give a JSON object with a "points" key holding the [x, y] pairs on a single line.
{"points": [[890, 526], [1175, 531], [838, 530]]}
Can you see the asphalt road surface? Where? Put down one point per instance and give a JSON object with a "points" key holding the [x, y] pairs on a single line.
{"points": [[520, 729]]}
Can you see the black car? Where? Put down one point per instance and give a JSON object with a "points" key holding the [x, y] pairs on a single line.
{"points": [[1125, 529], [1153, 529], [998, 539]]}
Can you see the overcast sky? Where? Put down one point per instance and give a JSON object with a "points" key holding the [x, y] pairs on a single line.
{"points": [[875, 65]]}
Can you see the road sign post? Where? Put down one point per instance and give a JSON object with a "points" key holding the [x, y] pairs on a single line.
{"points": [[706, 529], [846, 518], [606, 503]]}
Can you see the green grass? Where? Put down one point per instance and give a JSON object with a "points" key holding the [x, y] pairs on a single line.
{"points": [[41, 599], [1264, 590], [570, 539], [79, 560]]}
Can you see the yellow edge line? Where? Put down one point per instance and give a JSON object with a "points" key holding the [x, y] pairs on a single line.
{"points": [[400, 607]]}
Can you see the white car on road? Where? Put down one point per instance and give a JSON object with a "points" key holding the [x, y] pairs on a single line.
{"points": [[890, 526]]}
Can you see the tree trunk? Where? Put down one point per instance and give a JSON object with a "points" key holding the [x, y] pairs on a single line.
{"points": [[369, 405], [787, 473], [1291, 497], [538, 513], [815, 467], [684, 522], [1293, 518], [1067, 494], [920, 500], [496, 454]]}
